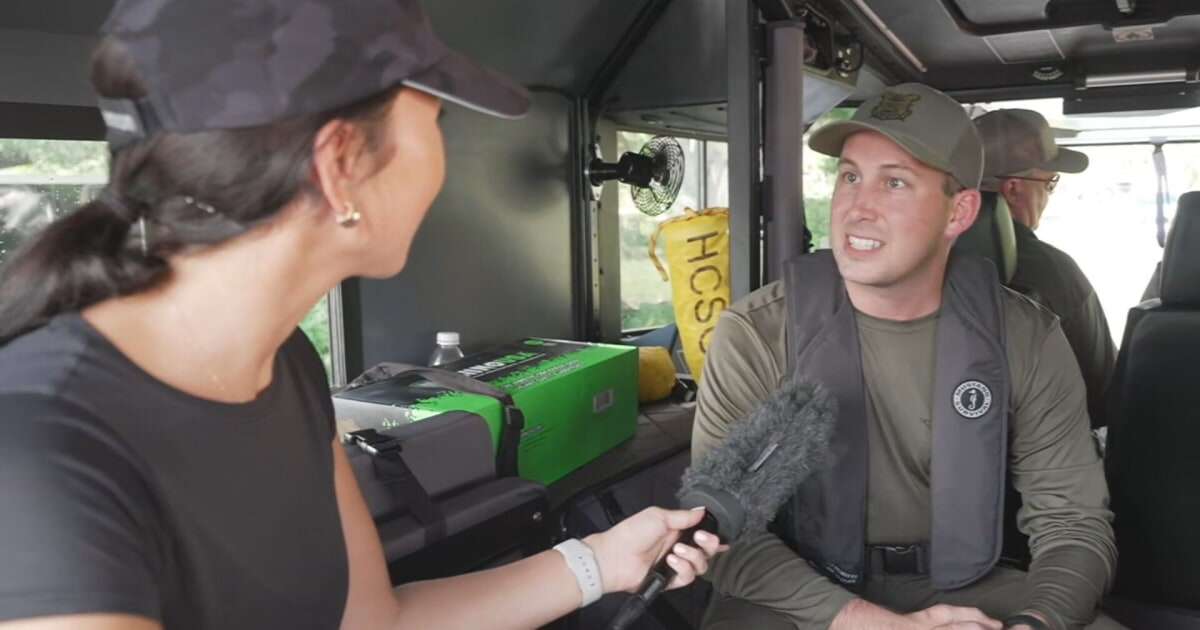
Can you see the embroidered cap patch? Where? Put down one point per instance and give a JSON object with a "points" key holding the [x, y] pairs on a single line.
{"points": [[895, 106], [972, 399]]}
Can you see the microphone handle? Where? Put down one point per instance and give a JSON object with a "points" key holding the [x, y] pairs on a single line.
{"points": [[659, 577]]}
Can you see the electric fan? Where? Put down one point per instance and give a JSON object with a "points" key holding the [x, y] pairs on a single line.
{"points": [[654, 174]]}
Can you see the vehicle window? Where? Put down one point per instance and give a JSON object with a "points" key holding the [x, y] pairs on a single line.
{"points": [[1104, 218], [645, 297], [820, 173], [716, 164], [316, 326], [42, 180]]}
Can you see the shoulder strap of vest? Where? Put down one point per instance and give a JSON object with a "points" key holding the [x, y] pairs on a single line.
{"points": [[975, 285], [970, 419], [825, 523], [814, 291]]}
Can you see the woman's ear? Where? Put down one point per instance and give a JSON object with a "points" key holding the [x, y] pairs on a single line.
{"points": [[339, 149]]}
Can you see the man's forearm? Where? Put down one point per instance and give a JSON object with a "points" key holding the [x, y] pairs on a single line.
{"points": [[1065, 586], [764, 571]]}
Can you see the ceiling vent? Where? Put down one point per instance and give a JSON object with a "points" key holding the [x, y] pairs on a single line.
{"points": [[1029, 47]]}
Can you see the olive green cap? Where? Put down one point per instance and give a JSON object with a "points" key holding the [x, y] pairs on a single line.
{"points": [[929, 125]]}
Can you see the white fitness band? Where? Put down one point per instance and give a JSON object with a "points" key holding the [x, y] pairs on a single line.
{"points": [[582, 563]]}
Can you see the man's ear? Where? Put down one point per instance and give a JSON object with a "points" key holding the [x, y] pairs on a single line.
{"points": [[1014, 193], [338, 151], [1010, 189], [964, 209]]}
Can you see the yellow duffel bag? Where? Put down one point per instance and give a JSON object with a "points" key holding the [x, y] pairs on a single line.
{"points": [[697, 248]]}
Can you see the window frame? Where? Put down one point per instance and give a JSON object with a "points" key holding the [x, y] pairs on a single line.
{"points": [[339, 376], [610, 152], [25, 112], [37, 121]]}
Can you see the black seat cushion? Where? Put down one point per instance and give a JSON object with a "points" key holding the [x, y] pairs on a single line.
{"points": [[1153, 459], [992, 236], [1181, 257]]}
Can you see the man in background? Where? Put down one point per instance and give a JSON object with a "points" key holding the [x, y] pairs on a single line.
{"points": [[1022, 163]]}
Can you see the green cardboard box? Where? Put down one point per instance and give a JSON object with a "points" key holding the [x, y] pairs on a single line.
{"points": [[579, 400]]}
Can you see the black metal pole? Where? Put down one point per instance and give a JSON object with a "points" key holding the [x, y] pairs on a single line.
{"points": [[744, 113], [585, 280], [783, 143]]}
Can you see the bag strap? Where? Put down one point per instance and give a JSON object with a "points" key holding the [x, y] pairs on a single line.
{"points": [[393, 472], [512, 423]]}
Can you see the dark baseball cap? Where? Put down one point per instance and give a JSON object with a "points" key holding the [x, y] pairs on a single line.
{"points": [[1016, 141], [930, 126], [243, 63]]}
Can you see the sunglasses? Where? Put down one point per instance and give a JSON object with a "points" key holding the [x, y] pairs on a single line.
{"points": [[1049, 183]]}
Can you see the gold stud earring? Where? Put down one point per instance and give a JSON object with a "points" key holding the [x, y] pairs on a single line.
{"points": [[350, 217]]}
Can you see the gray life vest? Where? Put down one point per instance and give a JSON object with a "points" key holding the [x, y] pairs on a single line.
{"points": [[825, 522]]}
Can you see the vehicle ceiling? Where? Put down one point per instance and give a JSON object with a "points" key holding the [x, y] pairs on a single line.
{"points": [[555, 44], [66, 17], [970, 45], [564, 45]]}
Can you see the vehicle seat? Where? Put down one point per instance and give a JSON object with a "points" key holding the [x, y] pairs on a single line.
{"points": [[992, 236], [1153, 459]]}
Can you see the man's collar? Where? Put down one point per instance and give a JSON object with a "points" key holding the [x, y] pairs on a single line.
{"points": [[1023, 231]]}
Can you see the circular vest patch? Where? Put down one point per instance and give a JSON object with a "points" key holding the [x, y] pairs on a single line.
{"points": [[972, 399]]}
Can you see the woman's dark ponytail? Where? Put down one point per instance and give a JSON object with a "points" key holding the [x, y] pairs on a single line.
{"points": [[77, 261], [167, 193]]}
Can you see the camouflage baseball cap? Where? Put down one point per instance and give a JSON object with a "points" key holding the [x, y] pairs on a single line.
{"points": [[929, 125], [243, 63], [1016, 141]]}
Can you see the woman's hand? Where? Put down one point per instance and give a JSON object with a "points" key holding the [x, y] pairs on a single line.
{"points": [[626, 552]]}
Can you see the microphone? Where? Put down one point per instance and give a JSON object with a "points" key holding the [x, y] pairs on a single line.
{"points": [[744, 481]]}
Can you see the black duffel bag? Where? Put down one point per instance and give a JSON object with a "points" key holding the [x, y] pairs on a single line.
{"points": [[442, 502]]}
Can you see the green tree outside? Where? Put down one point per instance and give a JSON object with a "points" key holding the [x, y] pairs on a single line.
{"points": [[53, 157], [820, 174], [42, 180], [316, 327]]}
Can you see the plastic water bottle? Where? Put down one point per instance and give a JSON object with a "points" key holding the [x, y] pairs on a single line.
{"points": [[447, 349]]}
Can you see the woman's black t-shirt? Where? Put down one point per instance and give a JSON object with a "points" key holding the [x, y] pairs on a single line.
{"points": [[120, 494]]}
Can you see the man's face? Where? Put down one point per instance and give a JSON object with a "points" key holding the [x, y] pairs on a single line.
{"points": [[891, 220], [1031, 197]]}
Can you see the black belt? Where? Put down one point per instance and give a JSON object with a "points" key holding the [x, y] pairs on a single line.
{"points": [[898, 559]]}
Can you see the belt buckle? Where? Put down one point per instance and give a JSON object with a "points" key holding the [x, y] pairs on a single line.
{"points": [[901, 559]]}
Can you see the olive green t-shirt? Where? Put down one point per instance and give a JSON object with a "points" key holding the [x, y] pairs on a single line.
{"points": [[898, 360], [1052, 457]]}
